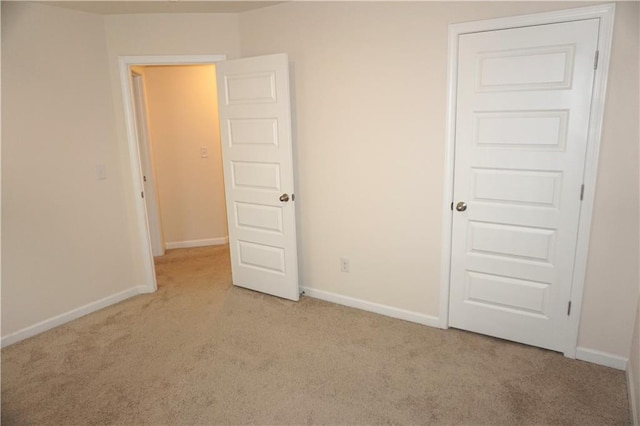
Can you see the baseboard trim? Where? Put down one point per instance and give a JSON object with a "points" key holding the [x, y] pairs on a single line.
{"points": [[602, 358], [81, 311], [377, 308], [632, 391], [197, 243]]}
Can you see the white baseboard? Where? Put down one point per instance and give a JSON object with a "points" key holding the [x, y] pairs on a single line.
{"points": [[386, 310], [602, 358], [635, 410], [50, 323], [197, 243]]}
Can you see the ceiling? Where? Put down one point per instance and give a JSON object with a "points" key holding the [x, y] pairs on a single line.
{"points": [[166, 6]]}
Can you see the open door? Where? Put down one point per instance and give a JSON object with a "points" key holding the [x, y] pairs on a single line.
{"points": [[255, 127]]}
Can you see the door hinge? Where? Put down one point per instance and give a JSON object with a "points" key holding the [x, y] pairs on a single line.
{"points": [[595, 60], [144, 178], [569, 308], [582, 192], [142, 194]]}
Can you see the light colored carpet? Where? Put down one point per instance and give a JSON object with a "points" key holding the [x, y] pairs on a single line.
{"points": [[201, 352]]}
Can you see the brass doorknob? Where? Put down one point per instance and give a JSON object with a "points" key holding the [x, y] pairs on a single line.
{"points": [[284, 198], [461, 206]]}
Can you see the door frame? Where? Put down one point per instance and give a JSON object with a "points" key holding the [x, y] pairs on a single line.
{"points": [[137, 184], [605, 13]]}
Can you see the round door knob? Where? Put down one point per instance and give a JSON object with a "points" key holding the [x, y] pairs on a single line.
{"points": [[461, 206], [284, 198]]}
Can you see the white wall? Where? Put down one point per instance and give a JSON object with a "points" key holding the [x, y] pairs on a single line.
{"points": [[183, 117], [371, 100], [633, 370], [0, 169], [65, 236]]}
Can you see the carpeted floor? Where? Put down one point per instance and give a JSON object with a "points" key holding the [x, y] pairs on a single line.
{"points": [[202, 352]]}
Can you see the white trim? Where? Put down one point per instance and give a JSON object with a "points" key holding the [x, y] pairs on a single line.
{"points": [[632, 391], [71, 315], [577, 14], [377, 308], [137, 184], [605, 13], [197, 243], [602, 358], [171, 59]]}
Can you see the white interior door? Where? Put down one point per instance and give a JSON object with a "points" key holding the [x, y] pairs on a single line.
{"points": [[255, 127], [523, 105], [146, 162]]}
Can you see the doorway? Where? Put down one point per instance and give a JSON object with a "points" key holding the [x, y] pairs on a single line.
{"points": [[135, 158], [180, 155], [254, 105]]}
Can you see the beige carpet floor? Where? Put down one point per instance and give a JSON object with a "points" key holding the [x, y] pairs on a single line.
{"points": [[202, 352]]}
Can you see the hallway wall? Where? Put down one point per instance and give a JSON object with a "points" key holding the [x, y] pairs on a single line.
{"points": [[183, 118]]}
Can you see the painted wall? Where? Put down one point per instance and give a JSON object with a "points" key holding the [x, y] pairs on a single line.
{"points": [[65, 235], [633, 370], [183, 117], [371, 101]]}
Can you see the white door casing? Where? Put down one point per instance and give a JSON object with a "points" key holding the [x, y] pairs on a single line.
{"points": [[146, 162], [255, 127], [521, 131]]}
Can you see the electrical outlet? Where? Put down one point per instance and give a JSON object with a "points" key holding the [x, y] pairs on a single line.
{"points": [[204, 152], [344, 264]]}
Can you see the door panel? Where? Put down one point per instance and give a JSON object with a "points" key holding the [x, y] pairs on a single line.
{"points": [[521, 129], [522, 118], [256, 131], [513, 294], [526, 68], [255, 126]]}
